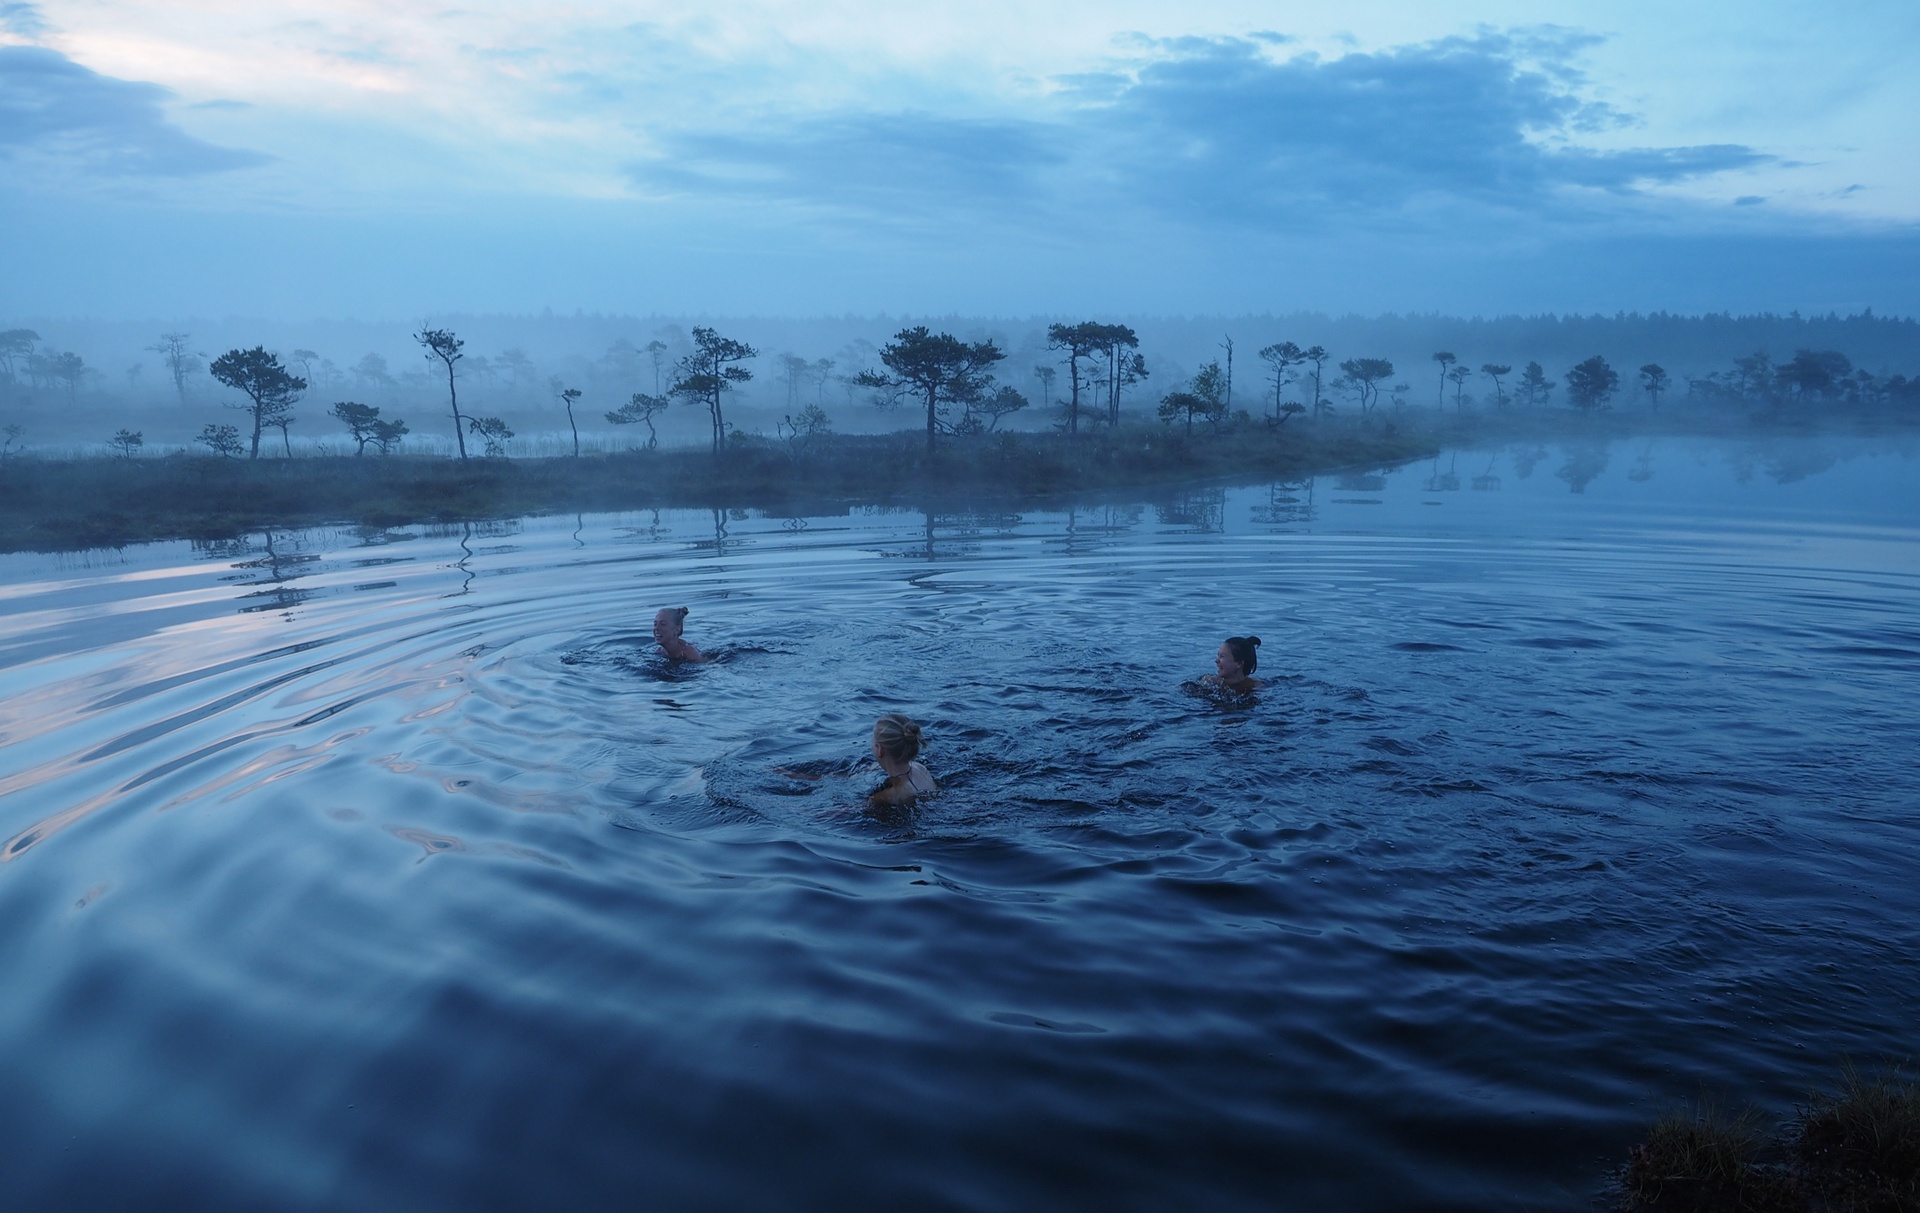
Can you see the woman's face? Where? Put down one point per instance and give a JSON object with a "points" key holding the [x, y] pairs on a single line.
{"points": [[666, 626], [1224, 662]]}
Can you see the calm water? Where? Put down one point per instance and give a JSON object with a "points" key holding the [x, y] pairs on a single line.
{"points": [[391, 872]]}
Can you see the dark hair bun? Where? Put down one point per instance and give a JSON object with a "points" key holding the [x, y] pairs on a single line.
{"points": [[1254, 641]]}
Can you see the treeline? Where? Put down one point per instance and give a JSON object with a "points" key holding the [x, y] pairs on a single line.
{"points": [[1071, 375]]}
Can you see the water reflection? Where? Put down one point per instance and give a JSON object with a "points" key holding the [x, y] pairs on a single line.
{"points": [[1584, 461], [280, 560], [1642, 465], [1198, 509], [1288, 503], [1522, 832]]}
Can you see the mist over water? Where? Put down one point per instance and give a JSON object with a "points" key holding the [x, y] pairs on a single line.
{"points": [[393, 870]]}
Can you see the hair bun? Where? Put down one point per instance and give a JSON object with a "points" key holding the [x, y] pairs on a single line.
{"points": [[1254, 640]]}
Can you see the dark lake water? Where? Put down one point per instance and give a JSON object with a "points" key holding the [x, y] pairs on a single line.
{"points": [[391, 871]]}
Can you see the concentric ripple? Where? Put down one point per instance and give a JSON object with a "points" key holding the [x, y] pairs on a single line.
{"points": [[394, 870]]}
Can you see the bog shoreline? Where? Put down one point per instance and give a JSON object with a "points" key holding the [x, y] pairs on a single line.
{"points": [[76, 504]]}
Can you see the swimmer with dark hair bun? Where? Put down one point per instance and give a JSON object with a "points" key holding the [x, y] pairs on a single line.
{"points": [[896, 747], [1236, 661], [666, 629]]}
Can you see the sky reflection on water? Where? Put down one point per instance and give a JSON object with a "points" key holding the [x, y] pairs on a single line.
{"points": [[393, 870]]}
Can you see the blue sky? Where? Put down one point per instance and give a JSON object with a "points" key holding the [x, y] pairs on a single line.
{"points": [[209, 157]]}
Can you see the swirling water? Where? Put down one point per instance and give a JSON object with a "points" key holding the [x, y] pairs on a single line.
{"points": [[368, 871]]}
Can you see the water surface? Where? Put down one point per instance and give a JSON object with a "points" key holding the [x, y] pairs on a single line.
{"points": [[392, 870]]}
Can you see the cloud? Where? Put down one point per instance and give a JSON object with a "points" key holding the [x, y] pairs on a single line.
{"points": [[22, 19], [866, 162], [1213, 130], [56, 108], [1215, 127]]}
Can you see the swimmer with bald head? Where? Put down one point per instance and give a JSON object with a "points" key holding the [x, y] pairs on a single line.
{"points": [[667, 625]]}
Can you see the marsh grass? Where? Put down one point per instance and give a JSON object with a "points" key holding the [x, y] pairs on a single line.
{"points": [[1705, 1160], [1856, 1150], [1862, 1146], [78, 503]]}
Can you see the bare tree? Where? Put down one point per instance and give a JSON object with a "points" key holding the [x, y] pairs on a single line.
{"points": [[180, 361]]}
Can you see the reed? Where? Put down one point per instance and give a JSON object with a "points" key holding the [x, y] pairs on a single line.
{"points": [[1854, 1150]]}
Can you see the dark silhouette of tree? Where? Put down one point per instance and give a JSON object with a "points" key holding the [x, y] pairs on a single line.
{"points": [[993, 408], [281, 423], [13, 433], [1535, 385], [16, 346], [269, 389], [1205, 396], [1227, 403], [657, 355], [1458, 376], [360, 420], [567, 396], [386, 433], [1281, 356], [794, 372], [1753, 376], [518, 365], [1316, 356], [443, 346], [1078, 341], [939, 369], [127, 442], [68, 368], [1591, 384], [493, 432], [1653, 381], [1366, 374], [1815, 373], [1496, 372], [642, 409], [711, 371], [180, 361], [1445, 360], [222, 440], [801, 432], [1125, 367], [1046, 375], [1180, 404]]}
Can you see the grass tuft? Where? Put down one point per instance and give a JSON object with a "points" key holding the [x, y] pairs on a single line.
{"points": [[1862, 1145], [1854, 1151], [1705, 1161]]}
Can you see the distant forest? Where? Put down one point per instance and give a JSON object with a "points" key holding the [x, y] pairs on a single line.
{"points": [[542, 381]]}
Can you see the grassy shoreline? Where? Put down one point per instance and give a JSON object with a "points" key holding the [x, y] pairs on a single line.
{"points": [[55, 505]]}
